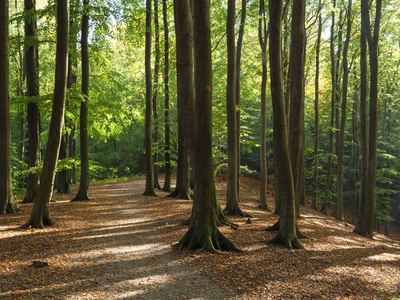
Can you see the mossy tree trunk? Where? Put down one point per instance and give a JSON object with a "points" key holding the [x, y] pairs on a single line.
{"points": [[7, 204], [287, 234], [40, 215], [203, 232]]}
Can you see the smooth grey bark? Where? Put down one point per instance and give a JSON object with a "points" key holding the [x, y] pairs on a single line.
{"points": [[32, 85], [287, 234], [83, 190], [40, 215], [167, 156], [203, 232], [149, 191], [7, 204]]}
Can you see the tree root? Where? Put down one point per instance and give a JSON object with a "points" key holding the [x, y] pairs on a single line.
{"points": [[291, 244], [274, 227], [236, 212], [213, 243], [149, 192], [264, 208], [38, 222]]}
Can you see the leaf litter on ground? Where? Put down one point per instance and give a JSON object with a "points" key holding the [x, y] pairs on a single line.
{"points": [[118, 246]]}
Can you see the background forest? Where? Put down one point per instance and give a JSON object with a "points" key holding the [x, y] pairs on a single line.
{"points": [[117, 95]]}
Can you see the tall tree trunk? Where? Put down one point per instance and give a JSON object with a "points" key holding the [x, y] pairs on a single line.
{"points": [[185, 85], [148, 122], [339, 186], [203, 232], [31, 67], [82, 194], [363, 129], [369, 218], [232, 195], [7, 204], [328, 196], [167, 156], [263, 38], [287, 222], [155, 94], [296, 93], [238, 64], [316, 112], [355, 155], [40, 215]]}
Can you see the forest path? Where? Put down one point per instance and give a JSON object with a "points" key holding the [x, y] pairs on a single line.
{"points": [[118, 246]]}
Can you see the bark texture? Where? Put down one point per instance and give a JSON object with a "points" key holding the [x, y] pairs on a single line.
{"points": [[40, 215]]}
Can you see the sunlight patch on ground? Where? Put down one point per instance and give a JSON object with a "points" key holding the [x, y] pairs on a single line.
{"points": [[384, 257]]}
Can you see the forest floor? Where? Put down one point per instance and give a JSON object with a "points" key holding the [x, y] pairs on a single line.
{"points": [[119, 246]]}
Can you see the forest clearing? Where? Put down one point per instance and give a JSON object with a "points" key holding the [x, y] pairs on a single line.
{"points": [[119, 246]]}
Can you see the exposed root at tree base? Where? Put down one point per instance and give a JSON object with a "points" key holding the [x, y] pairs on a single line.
{"points": [[274, 227], [39, 223], [264, 207], [291, 244], [213, 243], [149, 193], [237, 213]]}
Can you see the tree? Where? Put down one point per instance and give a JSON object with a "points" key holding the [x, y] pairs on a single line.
{"points": [[203, 232], [40, 215], [149, 191], [339, 187], [232, 195], [31, 66], [316, 111], [7, 204], [296, 69], [185, 89], [155, 93], [287, 222], [369, 214], [82, 194], [263, 38], [167, 157]]}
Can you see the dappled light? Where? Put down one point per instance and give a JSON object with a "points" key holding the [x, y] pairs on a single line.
{"points": [[120, 245]]}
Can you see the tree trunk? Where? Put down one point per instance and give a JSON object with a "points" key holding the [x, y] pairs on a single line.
{"points": [[185, 86], [82, 194], [238, 63], [263, 38], [328, 196], [369, 218], [363, 129], [7, 204], [339, 187], [40, 215], [167, 157], [232, 195], [316, 112], [31, 69], [287, 222], [296, 93], [155, 94], [203, 232]]}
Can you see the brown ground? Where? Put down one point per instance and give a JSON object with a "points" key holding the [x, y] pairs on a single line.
{"points": [[118, 246]]}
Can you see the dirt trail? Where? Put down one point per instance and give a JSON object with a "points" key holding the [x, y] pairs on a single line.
{"points": [[118, 246]]}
